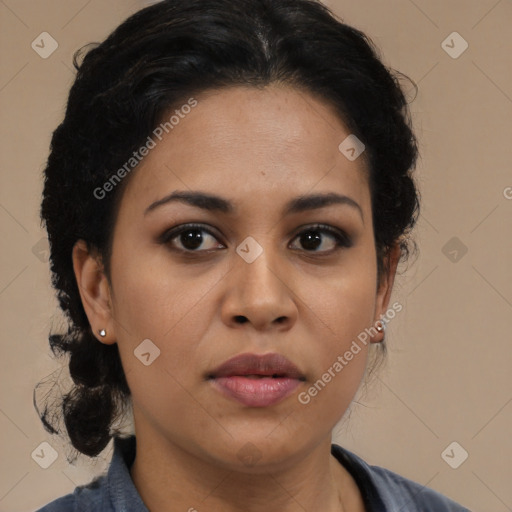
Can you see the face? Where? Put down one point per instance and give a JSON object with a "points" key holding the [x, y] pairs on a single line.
{"points": [[259, 272]]}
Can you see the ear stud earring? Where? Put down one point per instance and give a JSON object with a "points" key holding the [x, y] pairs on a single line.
{"points": [[381, 327], [102, 333]]}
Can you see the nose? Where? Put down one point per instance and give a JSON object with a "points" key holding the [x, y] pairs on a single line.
{"points": [[260, 295]]}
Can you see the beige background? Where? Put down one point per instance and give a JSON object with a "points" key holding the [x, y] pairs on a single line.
{"points": [[448, 373]]}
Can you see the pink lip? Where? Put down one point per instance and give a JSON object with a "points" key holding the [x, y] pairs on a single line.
{"points": [[279, 378], [259, 392]]}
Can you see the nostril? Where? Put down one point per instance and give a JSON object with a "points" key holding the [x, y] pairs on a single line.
{"points": [[240, 319]]}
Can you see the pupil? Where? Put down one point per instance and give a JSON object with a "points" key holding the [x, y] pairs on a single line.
{"points": [[310, 241], [191, 239]]}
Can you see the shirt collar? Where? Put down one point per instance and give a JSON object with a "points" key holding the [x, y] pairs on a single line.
{"points": [[121, 490], [363, 475]]}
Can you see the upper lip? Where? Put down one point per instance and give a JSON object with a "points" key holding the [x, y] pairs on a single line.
{"points": [[254, 364]]}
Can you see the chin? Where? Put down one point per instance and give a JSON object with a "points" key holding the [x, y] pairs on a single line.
{"points": [[258, 450]]}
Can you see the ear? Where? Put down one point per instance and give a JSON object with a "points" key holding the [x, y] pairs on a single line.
{"points": [[386, 287], [94, 291]]}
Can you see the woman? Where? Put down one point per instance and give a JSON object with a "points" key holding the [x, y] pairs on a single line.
{"points": [[227, 201]]}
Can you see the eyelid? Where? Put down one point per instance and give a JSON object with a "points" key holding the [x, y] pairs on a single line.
{"points": [[343, 240], [177, 230], [342, 237]]}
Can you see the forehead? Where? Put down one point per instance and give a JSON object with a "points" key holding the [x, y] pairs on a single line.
{"points": [[267, 144]]}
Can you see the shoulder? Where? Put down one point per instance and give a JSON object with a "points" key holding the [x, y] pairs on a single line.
{"points": [[409, 495], [110, 492], [88, 497], [391, 491]]}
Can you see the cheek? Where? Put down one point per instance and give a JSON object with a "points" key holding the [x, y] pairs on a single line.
{"points": [[340, 359], [346, 299], [154, 295], [169, 305], [343, 308], [171, 312]]}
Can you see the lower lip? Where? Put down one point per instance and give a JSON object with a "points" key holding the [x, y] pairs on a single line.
{"points": [[260, 392]]}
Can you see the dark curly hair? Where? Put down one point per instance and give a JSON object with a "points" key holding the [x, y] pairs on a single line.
{"points": [[153, 62]]}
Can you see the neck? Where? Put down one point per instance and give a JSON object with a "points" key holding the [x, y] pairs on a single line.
{"points": [[170, 479]]}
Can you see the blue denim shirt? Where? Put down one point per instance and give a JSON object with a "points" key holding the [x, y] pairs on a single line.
{"points": [[382, 490]]}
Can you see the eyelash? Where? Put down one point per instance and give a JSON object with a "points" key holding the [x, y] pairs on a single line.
{"points": [[340, 237]]}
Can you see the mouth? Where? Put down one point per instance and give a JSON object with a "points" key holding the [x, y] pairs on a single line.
{"points": [[256, 380]]}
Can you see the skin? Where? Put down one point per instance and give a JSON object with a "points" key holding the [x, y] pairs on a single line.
{"points": [[258, 148]]}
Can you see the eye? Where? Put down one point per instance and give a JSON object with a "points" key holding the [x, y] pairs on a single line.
{"points": [[196, 238], [314, 237], [190, 238]]}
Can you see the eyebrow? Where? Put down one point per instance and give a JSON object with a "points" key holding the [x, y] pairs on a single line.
{"points": [[214, 203]]}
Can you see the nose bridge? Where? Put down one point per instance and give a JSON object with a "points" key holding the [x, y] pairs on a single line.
{"points": [[258, 278], [258, 290]]}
